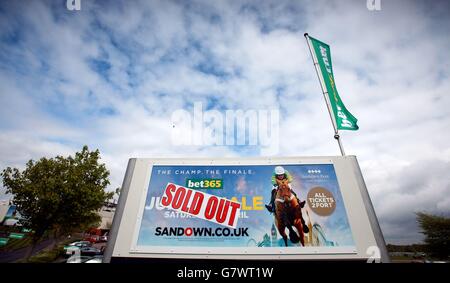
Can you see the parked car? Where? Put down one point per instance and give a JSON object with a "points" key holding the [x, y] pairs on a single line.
{"points": [[81, 244], [73, 247], [93, 239], [90, 251]]}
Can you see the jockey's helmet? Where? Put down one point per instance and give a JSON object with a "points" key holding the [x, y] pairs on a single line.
{"points": [[279, 170]]}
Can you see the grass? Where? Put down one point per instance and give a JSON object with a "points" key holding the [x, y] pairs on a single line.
{"points": [[50, 255], [46, 255], [399, 257], [15, 244]]}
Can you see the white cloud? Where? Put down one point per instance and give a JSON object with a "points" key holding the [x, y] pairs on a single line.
{"points": [[110, 76]]}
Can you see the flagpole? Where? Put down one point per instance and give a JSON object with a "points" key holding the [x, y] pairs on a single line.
{"points": [[325, 96]]}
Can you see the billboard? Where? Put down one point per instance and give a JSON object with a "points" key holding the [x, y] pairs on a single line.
{"points": [[323, 212], [12, 217], [257, 208]]}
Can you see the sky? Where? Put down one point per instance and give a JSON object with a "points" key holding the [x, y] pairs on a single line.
{"points": [[111, 75]]}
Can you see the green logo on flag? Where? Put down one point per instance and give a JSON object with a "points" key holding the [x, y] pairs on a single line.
{"points": [[344, 119]]}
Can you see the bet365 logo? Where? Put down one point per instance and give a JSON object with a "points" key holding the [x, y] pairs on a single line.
{"points": [[204, 183]]}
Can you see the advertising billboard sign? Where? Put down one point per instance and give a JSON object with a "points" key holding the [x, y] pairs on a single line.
{"points": [[12, 217], [250, 187], [286, 208]]}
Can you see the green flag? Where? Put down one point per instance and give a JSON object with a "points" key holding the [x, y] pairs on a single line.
{"points": [[344, 119]]}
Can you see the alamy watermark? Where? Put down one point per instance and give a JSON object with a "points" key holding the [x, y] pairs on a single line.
{"points": [[73, 5], [373, 5], [259, 128], [374, 254]]}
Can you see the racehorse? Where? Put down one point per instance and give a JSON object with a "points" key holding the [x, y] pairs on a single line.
{"points": [[288, 213]]}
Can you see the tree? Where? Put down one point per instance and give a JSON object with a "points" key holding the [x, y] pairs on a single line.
{"points": [[60, 194], [437, 234]]}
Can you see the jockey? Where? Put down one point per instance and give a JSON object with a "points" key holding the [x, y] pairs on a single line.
{"points": [[280, 174]]}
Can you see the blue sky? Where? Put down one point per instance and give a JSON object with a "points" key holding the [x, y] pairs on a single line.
{"points": [[110, 76]]}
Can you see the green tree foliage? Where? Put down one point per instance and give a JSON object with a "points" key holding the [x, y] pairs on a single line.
{"points": [[59, 194], [437, 234]]}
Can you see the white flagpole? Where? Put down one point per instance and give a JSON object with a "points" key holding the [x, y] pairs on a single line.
{"points": [[325, 94]]}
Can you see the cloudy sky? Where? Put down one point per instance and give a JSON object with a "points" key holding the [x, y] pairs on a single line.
{"points": [[111, 75]]}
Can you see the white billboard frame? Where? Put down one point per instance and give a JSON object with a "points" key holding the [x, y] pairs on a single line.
{"points": [[361, 216]]}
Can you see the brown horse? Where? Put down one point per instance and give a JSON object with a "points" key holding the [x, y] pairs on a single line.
{"points": [[288, 213]]}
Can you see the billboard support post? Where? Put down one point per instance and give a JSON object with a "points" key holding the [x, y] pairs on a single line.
{"points": [[119, 210], [378, 234]]}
